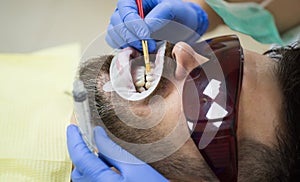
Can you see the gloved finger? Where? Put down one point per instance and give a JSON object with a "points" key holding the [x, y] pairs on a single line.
{"points": [[130, 7], [128, 39], [127, 7], [110, 37], [113, 39], [113, 153], [80, 154], [77, 176], [138, 45], [137, 28], [123, 160], [129, 15], [115, 29], [178, 11], [85, 161], [122, 35]]}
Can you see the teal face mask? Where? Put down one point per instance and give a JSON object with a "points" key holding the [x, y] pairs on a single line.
{"points": [[248, 18]]}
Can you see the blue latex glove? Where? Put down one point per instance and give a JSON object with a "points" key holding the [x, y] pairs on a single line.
{"points": [[126, 28], [90, 168]]}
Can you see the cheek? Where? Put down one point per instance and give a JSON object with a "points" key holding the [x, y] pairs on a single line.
{"points": [[174, 113]]}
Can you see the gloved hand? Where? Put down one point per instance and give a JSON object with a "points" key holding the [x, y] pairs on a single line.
{"points": [[89, 168], [126, 28]]}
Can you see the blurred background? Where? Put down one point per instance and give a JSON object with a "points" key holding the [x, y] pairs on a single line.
{"points": [[31, 25], [37, 24]]}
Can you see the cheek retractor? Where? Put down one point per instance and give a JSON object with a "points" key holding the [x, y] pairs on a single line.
{"points": [[128, 77]]}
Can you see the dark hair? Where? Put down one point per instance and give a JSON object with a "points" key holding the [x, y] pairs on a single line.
{"points": [[287, 72]]}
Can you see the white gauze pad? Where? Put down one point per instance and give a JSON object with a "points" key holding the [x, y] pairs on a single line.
{"points": [[120, 73]]}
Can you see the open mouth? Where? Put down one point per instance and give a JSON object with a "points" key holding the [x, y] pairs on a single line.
{"points": [[142, 80], [128, 75]]}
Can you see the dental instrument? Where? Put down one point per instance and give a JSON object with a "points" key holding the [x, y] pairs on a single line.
{"points": [[144, 42]]}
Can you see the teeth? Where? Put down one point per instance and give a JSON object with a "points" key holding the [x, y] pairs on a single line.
{"points": [[140, 77], [141, 89], [141, 70], [148, 85], [149, 78], [140, 83]]}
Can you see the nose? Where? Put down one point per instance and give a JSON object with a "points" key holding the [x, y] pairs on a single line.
{"points": [[187, 59]]}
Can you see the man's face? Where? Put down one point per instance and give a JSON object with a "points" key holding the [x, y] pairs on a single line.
{"points": [[259, 109]]}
